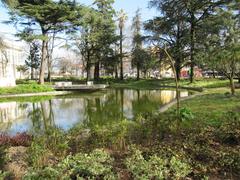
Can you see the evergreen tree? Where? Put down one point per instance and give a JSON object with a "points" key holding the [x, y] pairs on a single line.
{"points": [[170, 29], [46, 17], [106, 37], [222, 47], [137, 42], [188, 14], [122, 17], [196, 13], [85, 43], [33, 61]]}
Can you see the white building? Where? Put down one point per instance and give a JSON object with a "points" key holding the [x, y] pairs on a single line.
{"points": [[11, 56]]}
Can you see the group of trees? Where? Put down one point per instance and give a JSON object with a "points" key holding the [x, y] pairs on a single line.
{"points": [[195, 33], [92, 32], [203, 33], [41, 20]]}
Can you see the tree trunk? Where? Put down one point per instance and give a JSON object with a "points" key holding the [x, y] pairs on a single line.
{"points": [[178, 68], [43, 62], [176, 82], [88, 71], [232, 85], [116, 72], [145, 75], [214, 74], [178, 57], [192, 48], [49, 77], [121, 54], [32, 73], [49, 56], [96, 71], [138, 72]]}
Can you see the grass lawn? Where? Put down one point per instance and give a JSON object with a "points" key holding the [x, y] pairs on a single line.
{"points": [[153, 84], [212, 107], [26, 88]]}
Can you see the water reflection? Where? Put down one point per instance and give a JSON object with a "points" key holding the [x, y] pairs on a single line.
{"points": [[90, 109]]}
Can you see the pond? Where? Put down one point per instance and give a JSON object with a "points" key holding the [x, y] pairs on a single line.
{"points": [[96, 108]]}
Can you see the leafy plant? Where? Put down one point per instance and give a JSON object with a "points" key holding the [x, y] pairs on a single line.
{"points": [[46, 173], [156, 167], [2, 156], [186, 114], [4, 175], [37, 154], [48, 147], [96, 165], [114, 134], [179, 168]]}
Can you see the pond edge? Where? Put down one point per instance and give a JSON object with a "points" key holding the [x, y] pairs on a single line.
{"points": [[53, 93]]}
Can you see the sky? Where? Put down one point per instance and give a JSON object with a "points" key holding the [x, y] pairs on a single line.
{"points": [[129, 6]]}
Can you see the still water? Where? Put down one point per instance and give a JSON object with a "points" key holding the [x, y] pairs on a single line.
{"points": [[88, 108]]}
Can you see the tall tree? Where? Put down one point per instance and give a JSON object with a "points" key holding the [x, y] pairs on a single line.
{"points": [[106, 36], [169, 28], [122, 17], [33, 60], [196, 13], [223, 46], [137, 42], [46, 17]]}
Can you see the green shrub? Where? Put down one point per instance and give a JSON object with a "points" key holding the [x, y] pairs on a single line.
{"points": [[186, 114], [37, 154], [114, 134], [51, 144], [26, 88], [4, 175], [156, 167], [25, 81], [47, 173], [179, 168], [96, 165], [2, 156], [229, 160]]}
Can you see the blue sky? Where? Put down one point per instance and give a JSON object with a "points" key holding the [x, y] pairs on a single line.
{"points": [[130, 7]]}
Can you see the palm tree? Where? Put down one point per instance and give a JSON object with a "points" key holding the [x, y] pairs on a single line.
{"points": [[122, 17]]}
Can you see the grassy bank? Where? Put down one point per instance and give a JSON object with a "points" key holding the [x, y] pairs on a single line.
{"points": [[214, 105], [154, 84], [26, 88], [144, 83], [203, 144]]}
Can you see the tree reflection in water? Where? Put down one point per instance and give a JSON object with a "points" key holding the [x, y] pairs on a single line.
{"points": [[90, 109]]}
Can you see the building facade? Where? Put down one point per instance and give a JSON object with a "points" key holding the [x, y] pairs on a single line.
{"points": [[11, 56]]}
